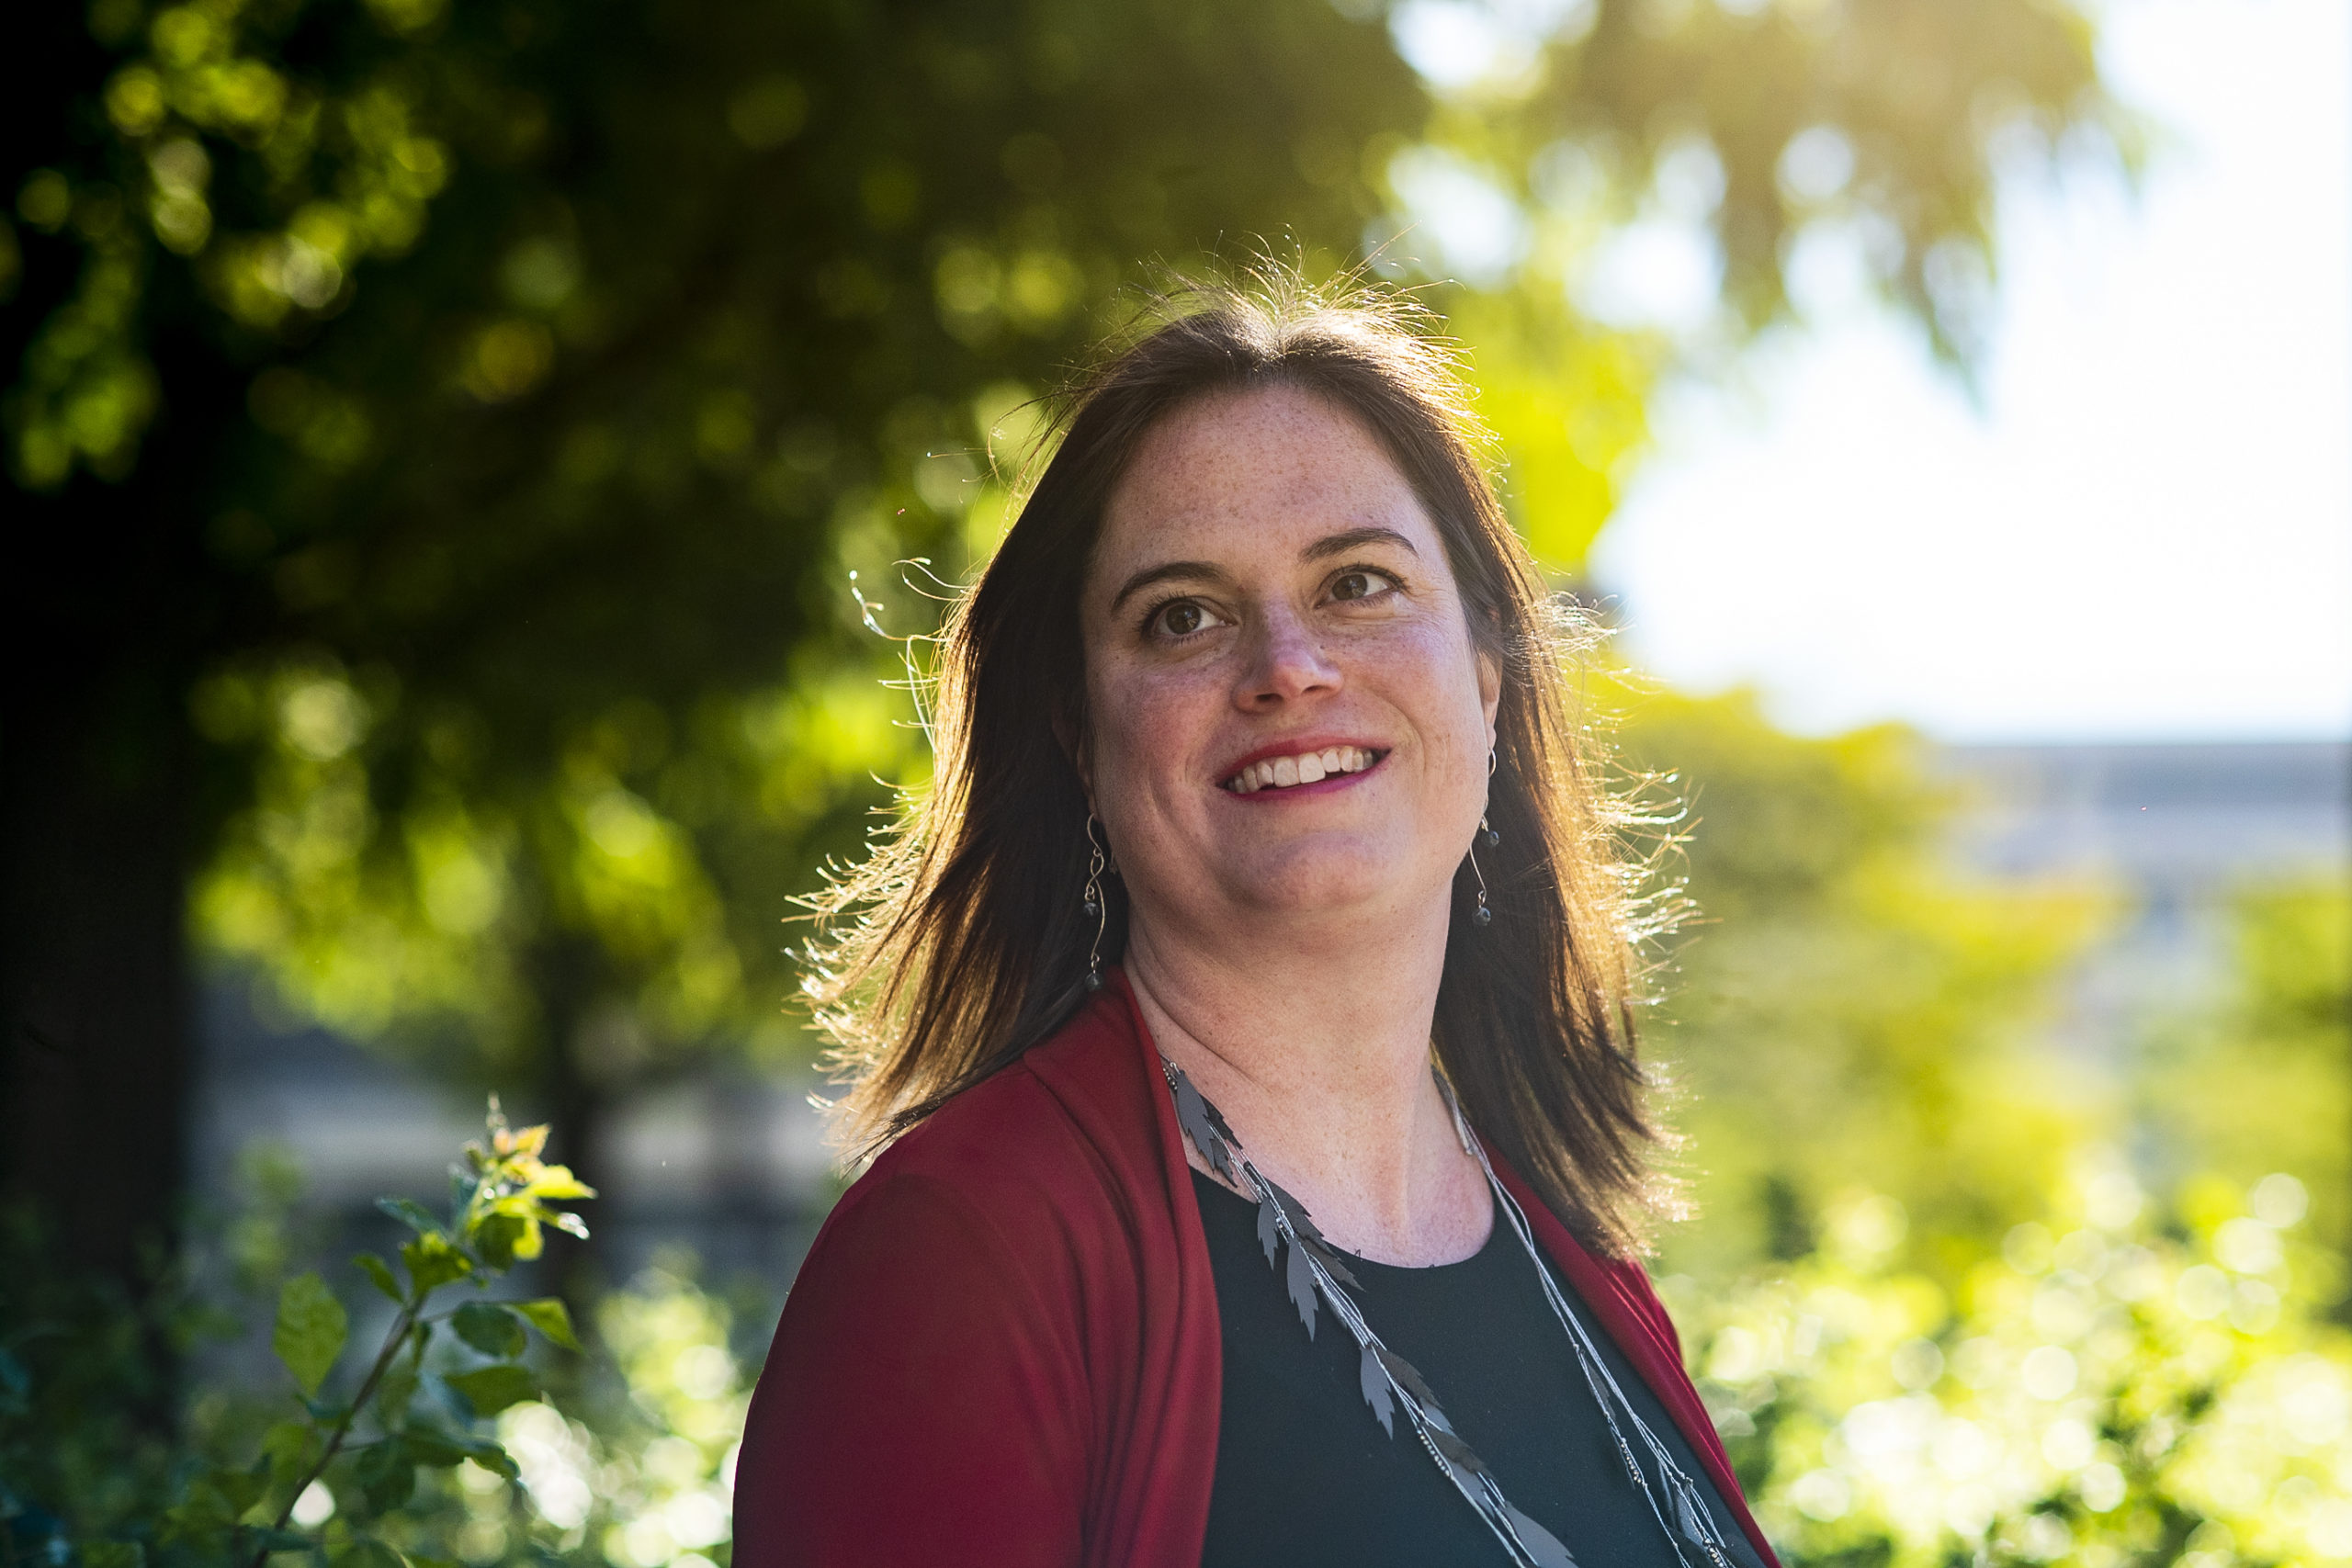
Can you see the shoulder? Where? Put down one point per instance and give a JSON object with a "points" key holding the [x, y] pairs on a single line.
{"points": [[1035, 1160], [1015, 1140], [979, 1258], [943, 1304]]}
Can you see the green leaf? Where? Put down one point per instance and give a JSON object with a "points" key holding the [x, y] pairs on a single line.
{"points": [[366, 1554], [433, 1261], [491, 1389], [262, 1540], [490, 1328], [242, 1488], [311, 1326], [500, 1238], [433, 1449], [412, 1214], [497, 1460], [382, 1272], [202, 1516], [285, 1445], [387, 1474], [113, 1554], [485, 1452], [550, 1318], [556, 1181]]}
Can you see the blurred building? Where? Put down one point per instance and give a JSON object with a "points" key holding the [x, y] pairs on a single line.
{"points": [[735, 1168], [2176, 833], [730, 1167]]}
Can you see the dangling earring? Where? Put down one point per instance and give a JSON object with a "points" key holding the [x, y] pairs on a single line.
{"points": [[1482, 914], [1093, 906]]}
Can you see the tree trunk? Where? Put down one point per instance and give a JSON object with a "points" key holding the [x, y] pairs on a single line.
{"points": [[95, 788], [93, 799]]}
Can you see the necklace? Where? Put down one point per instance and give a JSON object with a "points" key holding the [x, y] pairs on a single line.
{"points": [[1315, 1272]]}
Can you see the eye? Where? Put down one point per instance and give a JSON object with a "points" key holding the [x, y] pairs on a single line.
{"points": [[1360, 582], [1180, 617]]}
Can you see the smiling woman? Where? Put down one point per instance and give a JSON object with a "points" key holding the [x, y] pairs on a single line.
{"points": [[1259, 843]]}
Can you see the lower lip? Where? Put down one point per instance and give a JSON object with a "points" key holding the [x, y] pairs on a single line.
{"points": [[1327, 784]]}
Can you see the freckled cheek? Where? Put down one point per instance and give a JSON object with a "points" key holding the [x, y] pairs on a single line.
{"points": [[1432, 679], [1149, 729]]}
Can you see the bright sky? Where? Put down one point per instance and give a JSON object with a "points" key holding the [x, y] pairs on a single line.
{"points": [[2146, 530]]}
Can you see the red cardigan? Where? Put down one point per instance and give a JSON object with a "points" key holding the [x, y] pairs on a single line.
{"points": [[1003, 1348]]}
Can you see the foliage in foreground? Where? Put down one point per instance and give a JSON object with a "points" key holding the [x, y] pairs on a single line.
{"points": [[642, 1474], [329, 1477], [2126, 1383], [631, 1467], [2120, 1386]]}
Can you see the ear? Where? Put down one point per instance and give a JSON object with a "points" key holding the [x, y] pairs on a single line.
{"points": [[1081, 754], [1491, 693]]}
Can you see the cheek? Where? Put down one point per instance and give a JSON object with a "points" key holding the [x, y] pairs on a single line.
{"points": [[1147, 723], [1434, 676]]}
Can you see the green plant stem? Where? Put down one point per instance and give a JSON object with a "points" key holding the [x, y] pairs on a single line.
{"points": [[400, 1325]]}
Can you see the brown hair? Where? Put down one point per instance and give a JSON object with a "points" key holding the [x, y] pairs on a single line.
{"points": [[961, 942]]}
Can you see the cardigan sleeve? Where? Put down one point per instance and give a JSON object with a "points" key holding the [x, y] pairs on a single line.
{"points": [[924, 1400]]}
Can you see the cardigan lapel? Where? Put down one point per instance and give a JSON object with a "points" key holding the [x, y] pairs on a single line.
{"points": [[1620, 1296], [1160, 1397]]}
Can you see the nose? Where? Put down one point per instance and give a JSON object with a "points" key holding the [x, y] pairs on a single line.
{"points": [[1286, 663]]}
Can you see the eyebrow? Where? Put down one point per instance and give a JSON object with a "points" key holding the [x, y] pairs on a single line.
{"points": [[1324, 549], [1339, 544]]}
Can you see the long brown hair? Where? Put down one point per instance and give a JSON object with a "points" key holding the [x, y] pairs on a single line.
{"points": [[961, 941]]}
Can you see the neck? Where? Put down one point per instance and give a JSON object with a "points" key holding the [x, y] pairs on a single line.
{"points": [[1315, 1043]]}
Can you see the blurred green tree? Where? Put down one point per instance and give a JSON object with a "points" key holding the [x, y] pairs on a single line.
{"points": [[2264, 1081], [1848, 1005], [438, 433]]}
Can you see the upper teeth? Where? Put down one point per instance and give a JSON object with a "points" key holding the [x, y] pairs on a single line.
{"points": [[1281, 772]]}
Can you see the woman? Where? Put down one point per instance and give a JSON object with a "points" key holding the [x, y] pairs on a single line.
{"points": [[1244, 1012]]}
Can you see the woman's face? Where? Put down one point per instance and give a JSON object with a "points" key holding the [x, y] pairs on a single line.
{"points": [[1288, 714]]}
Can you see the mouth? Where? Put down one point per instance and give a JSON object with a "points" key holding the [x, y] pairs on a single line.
{"points": [[1296, 769]]}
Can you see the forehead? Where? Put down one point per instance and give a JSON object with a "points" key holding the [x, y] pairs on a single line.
{"points": [[1268, 466]]}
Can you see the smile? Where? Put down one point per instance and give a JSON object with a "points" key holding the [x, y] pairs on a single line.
{"points": [[1305, 768]]}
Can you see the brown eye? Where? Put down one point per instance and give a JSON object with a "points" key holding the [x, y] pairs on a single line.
{"points": [[1182, 618], [1359, 584]]}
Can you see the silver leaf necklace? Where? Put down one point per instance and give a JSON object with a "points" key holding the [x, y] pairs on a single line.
{"points": [[1314, 1271]]}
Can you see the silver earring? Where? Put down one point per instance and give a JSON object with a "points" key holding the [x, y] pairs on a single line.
{"points": [[1482, 914], [1491, 837], [1093, 906]]}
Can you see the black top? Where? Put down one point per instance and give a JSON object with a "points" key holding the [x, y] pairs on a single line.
{"points": [[1304, 1474]]}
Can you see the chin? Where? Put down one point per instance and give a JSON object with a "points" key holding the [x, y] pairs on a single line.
{"points": [[1320, 877]]}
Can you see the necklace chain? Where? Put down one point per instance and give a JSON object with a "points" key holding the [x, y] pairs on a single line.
{"points": [[1316, 1273]]}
